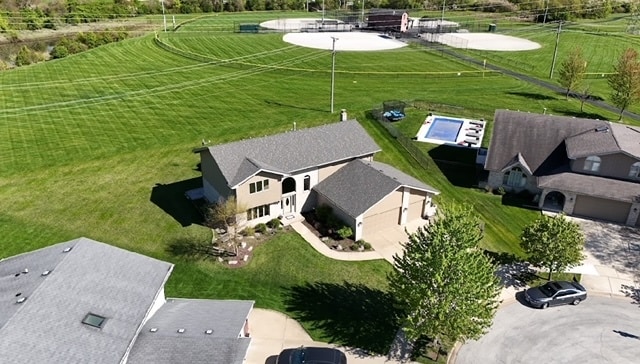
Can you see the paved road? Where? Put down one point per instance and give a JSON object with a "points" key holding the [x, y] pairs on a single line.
{"points": [[599, 330]]}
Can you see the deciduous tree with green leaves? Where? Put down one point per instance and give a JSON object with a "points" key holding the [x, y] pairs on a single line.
{"points": [[625, 80], [443, 281], [572, 70], [553, 242]]}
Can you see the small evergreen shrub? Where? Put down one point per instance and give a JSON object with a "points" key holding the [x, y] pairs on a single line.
{"points": [[274, 223], [261, 228], [345, 232], [249, 231]]}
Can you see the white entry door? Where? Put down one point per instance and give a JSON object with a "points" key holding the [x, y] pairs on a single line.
{"points": [[288, 204]]}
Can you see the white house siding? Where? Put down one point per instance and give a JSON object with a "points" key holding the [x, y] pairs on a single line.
{"points": [[303, 202]]}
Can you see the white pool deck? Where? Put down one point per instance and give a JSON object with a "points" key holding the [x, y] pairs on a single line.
{"points": [[470, 134]]}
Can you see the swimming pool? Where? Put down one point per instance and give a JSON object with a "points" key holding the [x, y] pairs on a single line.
{"points": [[444, 129], [438, 129]]}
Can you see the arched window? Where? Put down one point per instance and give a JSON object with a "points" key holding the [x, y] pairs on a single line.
{"points": [[514, 178], [307, 183], [592, 163], [634, 172]]}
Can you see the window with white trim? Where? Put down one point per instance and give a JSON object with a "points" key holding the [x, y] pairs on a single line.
{"points": [[515, 177], [634, 172], [258, 186], [258, 212], [592, 163]]}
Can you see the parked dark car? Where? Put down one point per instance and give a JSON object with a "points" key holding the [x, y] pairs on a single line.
{"points": [[555, 293], [311, 355]]}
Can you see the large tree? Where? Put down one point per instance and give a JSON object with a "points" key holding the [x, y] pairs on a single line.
{"points": [[572, 70], [443, 281], [226, 214], [625, 80], [553, 242]]}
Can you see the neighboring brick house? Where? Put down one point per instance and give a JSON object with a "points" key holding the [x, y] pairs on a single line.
{"points": [[83, 301], [293, 172], [583, 167]]}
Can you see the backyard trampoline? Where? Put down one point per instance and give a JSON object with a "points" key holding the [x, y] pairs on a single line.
{"points": [[452, 131]]}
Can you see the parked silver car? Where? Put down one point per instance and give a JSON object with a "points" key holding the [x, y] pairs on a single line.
{"points": [[555, 293]]}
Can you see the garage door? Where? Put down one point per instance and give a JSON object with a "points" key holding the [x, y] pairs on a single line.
{"points": [[381, 221], [601, 209], [415, 211]]}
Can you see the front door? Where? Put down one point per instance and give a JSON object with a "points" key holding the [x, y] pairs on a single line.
{"points": [[288, 204]]}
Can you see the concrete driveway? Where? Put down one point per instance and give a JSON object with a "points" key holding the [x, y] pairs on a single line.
{"points": [[273, 331], [600, 330], [388, 242]]}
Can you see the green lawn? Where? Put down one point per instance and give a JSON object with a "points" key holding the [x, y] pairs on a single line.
{"points": [[99, 145]]}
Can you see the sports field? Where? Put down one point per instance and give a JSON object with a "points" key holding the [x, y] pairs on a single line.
{"points": [[99, 144]]}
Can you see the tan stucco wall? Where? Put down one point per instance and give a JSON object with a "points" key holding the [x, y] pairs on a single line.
{"points": [[417, 196], [247, 200], [393, 200], [329, 169], [211, 173], [611, 165]]}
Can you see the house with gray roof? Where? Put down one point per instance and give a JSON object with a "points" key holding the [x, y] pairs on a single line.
{"points": [[83, 301], [286, 174], [582, 167]]}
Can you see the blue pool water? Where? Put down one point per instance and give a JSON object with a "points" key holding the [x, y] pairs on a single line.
{"points": [[444, 129]]}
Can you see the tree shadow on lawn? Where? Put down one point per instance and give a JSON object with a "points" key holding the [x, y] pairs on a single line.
{"points": [[531, 95], [172, 200], [350, 314], [578, 114]]}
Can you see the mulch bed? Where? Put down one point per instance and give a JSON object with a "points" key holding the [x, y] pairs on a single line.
{"points": [[251, 243], [327, 236]]}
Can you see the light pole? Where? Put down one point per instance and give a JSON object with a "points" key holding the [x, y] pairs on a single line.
{"points": [[362, 11], [323, 13], [444, 2], [333, 69], [546, 9]]}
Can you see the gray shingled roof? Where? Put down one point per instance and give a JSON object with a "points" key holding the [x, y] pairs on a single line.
{"points": [[292, 151], [598, 141], [92, 277], [537, 137], [628, 138], [359, 185], [166, 345], [591, 185]]}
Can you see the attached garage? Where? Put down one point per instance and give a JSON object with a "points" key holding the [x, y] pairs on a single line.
{"points": [[416, 205], [384, 220], [602, 209]]}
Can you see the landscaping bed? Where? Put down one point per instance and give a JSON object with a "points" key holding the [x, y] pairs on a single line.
{"points": [[332, 231]]}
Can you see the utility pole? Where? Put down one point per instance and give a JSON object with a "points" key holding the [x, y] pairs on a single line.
{"points": [[164, 17], [444, 2], [333, 69], [546, 10], [555, 50], [362, 11], [323, 15]]}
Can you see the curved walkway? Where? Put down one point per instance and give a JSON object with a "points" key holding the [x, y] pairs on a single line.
{"points": [[323, 249]]}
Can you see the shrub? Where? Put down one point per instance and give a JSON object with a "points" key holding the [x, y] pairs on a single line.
{"points": [[323, 212], [59, 51], [27, 56], [488, 189], [345, 232], [261, 228], [274, 223], [248, 231], [501, 191], [367, 246]]}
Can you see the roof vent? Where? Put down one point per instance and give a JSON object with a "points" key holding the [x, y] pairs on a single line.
{"points": [[602, 129], [17, 275], [181, 331], [45, 273], [208, 332], [67, 249], [21, 299], [153, 329], [18, 294], [25, 271]]}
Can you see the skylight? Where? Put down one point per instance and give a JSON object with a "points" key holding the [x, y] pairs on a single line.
{"points": [[94, 320]]}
